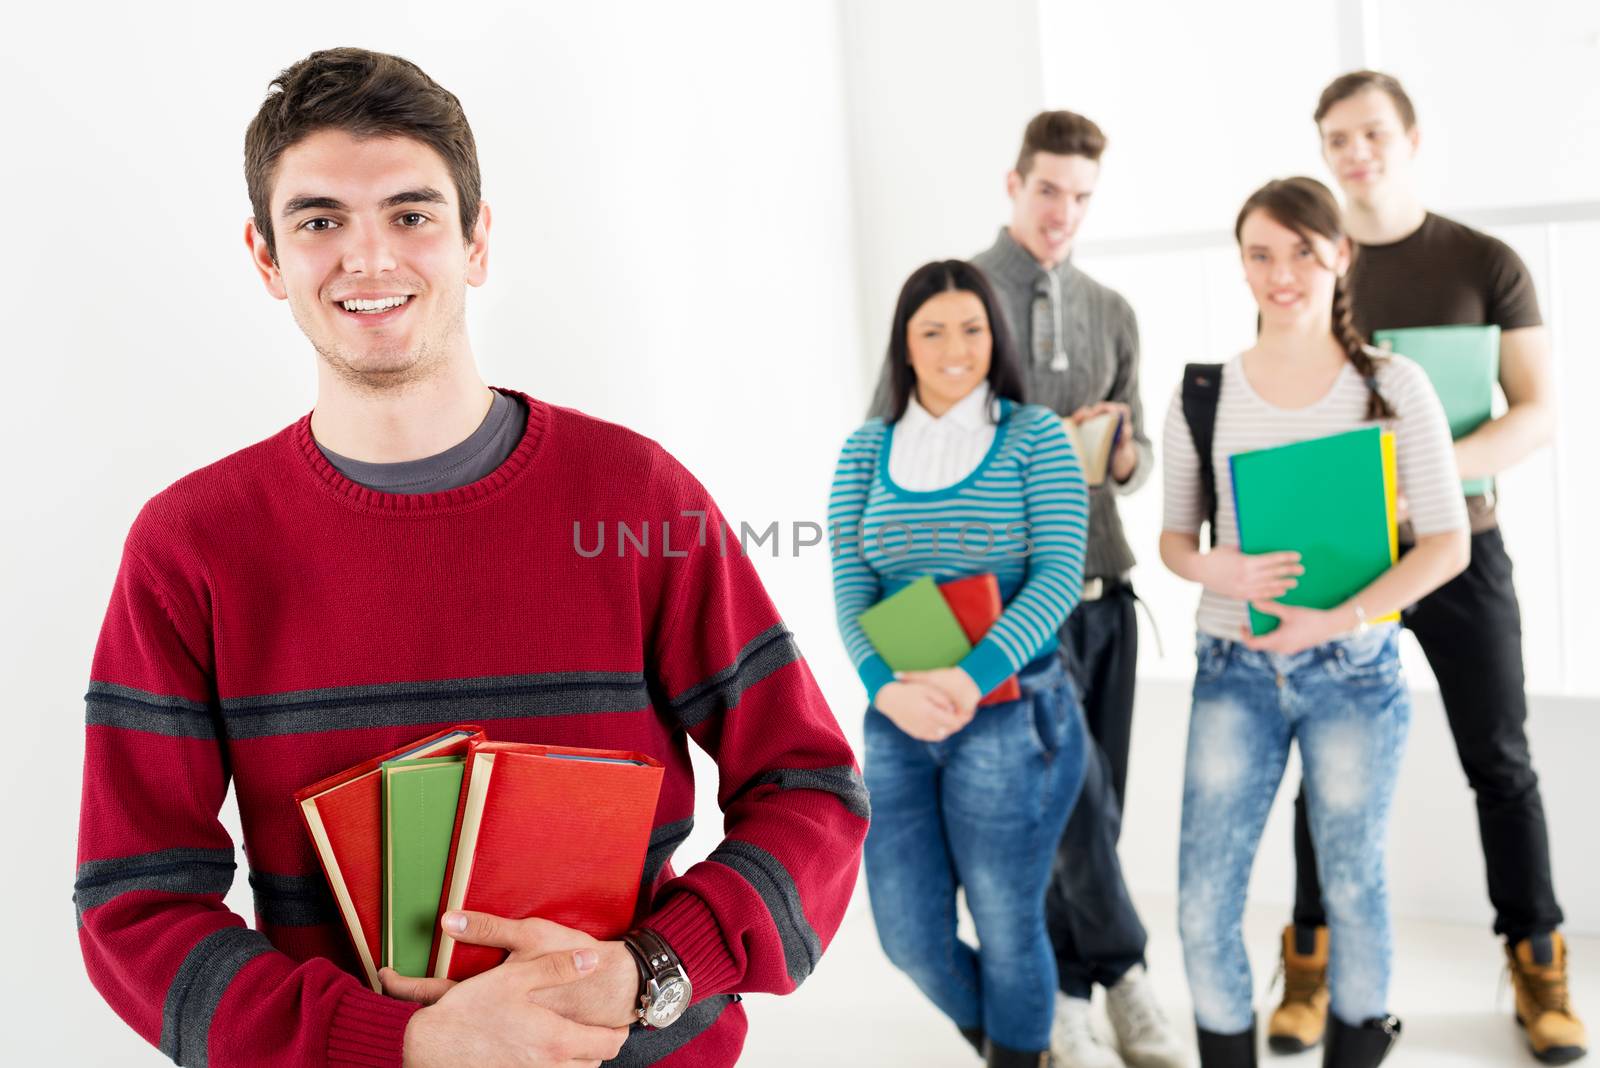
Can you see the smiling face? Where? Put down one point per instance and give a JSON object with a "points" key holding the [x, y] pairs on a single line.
{"points": [[950, 346], [1291, 276], [1048, 205], [370, 255], [1367, 146]]}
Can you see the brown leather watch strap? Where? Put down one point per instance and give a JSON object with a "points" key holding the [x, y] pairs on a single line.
{"points": [[639, 960], [651, 953]]}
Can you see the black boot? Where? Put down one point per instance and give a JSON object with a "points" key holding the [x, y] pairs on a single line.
{"points": [[1359, 1047], [975, 1036], [1227, 1051], [998, 1056]]}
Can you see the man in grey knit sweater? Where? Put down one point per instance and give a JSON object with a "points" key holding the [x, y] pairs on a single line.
{"points": [[1080, 346]]}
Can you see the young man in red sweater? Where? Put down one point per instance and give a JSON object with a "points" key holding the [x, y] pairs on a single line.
{"points": [[404, 558]]}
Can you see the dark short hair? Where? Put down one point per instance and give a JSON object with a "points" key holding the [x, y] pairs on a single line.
{"points": [[365, 94], [1346, 86], [925, 283], [1061, 133]]}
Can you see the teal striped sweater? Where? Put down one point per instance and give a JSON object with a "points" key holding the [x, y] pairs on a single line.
{"points": [[1021, 514]]}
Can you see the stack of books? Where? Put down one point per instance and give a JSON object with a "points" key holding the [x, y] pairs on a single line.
{"points": [[926, 626], [456, 821]]}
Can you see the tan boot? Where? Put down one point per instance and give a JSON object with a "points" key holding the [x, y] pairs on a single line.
{"points": [[1539, 976], [1299, 1022]]}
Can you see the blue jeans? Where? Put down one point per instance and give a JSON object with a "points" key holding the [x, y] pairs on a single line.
{"points": [[1346, 705], [982, 810]]}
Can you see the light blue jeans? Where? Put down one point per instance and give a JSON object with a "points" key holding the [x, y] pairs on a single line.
{"points": [[1346, 705]]}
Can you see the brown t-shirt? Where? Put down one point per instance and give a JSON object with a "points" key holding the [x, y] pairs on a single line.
{"points": [[1443, 274]]}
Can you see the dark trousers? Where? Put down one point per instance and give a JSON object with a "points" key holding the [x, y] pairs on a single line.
{"points": [[1093, 927], [1470, 629]]}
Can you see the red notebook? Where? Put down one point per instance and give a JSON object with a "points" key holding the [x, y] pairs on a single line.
{"points": [[344, 816], [975, 600], [527, 813]]}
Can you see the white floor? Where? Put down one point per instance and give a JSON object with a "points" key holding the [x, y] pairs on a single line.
{"points": [[1449, 991]]}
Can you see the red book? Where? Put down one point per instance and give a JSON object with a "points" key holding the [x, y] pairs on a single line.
{"points": [[975, 600], [550, 831], [344, 816]]}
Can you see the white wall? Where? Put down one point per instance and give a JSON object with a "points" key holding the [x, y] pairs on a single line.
{"points": [[933, 86], [1200, 103], [1515, 90]]}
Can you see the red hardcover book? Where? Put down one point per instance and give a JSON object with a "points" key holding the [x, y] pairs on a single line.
{"points": [[527, 813], [344, 816], [975, 600]]}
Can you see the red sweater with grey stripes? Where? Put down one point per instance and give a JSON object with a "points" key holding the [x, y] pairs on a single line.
{"points": [[274, 622]]}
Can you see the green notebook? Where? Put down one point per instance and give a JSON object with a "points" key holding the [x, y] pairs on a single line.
{"points": [[1330, 499], [419, 815], [915, 630], [1463, 363]]}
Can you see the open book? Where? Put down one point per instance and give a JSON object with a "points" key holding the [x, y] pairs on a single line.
{"points": [[1093, 439]]}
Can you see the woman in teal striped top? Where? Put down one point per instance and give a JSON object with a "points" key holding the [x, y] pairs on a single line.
{"points": [[965, 479]]}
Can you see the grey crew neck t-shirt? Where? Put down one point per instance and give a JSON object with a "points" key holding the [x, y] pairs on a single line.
{"points": [[462, 464]]}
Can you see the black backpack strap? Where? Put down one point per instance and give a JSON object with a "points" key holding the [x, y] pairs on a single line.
{"points": [[1202, 386]]}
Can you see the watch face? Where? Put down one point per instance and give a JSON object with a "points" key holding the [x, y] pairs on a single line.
{"points": [[671, 998]]}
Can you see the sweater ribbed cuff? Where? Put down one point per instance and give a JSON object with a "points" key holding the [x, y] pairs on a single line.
{"points": [[875, 674], [987, 665], [687, 925], [368, 1030]]}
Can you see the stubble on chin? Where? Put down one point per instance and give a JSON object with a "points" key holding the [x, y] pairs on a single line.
{"points": [[382, 371], [388, 369]]}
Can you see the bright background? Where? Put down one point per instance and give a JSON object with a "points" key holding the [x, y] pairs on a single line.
{"points": [[703, 212]]}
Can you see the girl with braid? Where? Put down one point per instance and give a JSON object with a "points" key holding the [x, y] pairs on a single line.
{"points": [[1326, 680]]}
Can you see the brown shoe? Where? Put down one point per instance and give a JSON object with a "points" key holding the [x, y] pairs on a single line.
{"points": [[1299, 1022], [1539, 977]]}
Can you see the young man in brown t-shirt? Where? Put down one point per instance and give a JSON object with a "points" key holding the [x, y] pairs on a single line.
{"points": [[1415, 268]]}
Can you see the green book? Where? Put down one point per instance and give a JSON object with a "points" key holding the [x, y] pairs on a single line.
{"points": [[419, 815], [1331, 500], [915, 630], [1463, 363]]}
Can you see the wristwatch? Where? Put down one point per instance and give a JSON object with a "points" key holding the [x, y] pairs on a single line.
{"points": [[664, 987]]}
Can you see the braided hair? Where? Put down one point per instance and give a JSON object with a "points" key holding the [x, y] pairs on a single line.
{"points": [[1305, 206]]}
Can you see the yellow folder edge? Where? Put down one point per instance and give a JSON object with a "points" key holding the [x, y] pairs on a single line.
{"points": [[1391, 490]]}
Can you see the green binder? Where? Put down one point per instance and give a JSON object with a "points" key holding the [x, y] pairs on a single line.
{"points": [[915, 630], [419, 815], [1331, 500], [1463, 363]]}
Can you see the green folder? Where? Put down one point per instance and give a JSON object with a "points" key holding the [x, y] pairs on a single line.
{"points": [[419, 815], [915, 630], [1331, 500], [1463, 363]]}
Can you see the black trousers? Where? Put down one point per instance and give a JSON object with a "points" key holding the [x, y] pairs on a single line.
{"points": [[1470, 629], [1093, 926]]}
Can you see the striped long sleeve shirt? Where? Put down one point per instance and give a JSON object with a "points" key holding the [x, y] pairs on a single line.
{"points": [[274, 622], [1022, 515], [1425, 463]]}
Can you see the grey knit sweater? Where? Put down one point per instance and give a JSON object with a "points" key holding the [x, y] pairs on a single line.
{"points": [[1102, 346]]}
